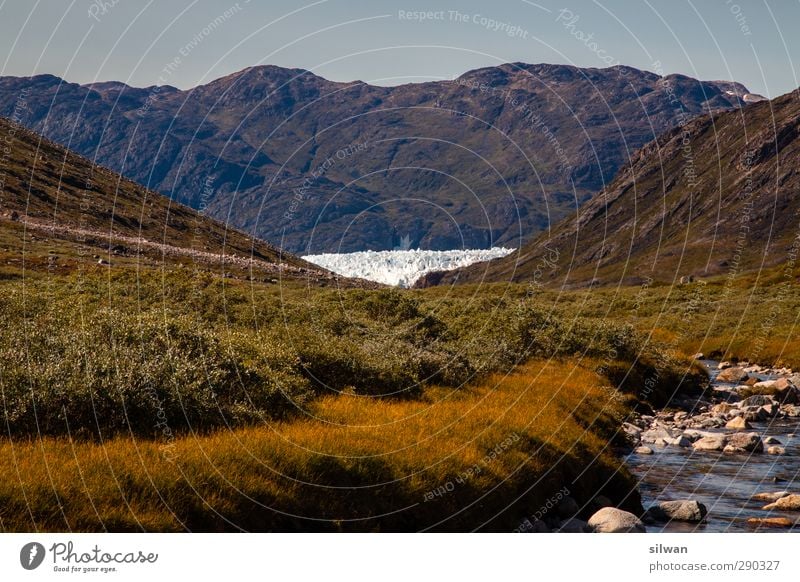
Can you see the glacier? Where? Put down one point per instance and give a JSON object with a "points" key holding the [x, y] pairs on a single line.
{"points": [[401, 268]]}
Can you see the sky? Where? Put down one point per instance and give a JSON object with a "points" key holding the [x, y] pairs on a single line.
{"points": [[190, 42]]}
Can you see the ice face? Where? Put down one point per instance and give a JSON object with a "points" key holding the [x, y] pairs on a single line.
{"points": [[401, 268]]}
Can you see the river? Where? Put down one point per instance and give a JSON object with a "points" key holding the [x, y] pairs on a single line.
{"points": [[723, 482]]}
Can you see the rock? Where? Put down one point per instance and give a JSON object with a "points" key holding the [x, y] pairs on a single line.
{"points": [[613, 520], [771, 441], [787, 503], [679, 441], [732, 376], [724, 365], [710, 443], [643, 450], [765, 385], [771, 409], [722, 408], [750, 381], [738, 423], [682, 510], [632, 432], [568, 508], [770, 496], [756, 400], [791, 410], [755, 414], [744, 442], [770, 522], [573, 525], [788, 394], [776, 450], [655, 434], [699, 356]]}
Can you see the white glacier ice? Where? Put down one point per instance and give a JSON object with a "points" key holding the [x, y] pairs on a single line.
{"points": [[401, 268]]}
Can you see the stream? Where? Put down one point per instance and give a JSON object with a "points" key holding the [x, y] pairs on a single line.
{"points": [[723, 482]]}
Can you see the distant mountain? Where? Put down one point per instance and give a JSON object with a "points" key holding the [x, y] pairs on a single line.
{"points": [[491, 158], [718, 196], [60, 213]]}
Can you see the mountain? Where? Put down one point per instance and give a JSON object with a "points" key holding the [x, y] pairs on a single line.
{"points": [[60, 213], [489, 159], [717, 196]]}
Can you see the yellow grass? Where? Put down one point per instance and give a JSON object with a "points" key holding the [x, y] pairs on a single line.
{"points": [[480, 458]]}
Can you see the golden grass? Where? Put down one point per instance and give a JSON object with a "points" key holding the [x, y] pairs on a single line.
{"points": [[353, 463]]}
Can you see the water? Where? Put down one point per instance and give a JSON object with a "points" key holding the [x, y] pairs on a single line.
{"points": [[724, 483]]}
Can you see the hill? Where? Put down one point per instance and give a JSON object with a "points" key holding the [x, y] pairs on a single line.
{"points": [[59, 212], [716, 196], [490, 158]]}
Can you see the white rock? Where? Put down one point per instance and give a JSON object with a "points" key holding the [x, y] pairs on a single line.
{"points": [[613, 520]]}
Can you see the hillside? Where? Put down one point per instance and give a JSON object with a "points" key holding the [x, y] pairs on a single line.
{"points": [[489, 159], [717, 196], [59, 212]]}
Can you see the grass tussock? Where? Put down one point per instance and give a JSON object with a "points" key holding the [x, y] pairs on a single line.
{"points": [[495, 452]]}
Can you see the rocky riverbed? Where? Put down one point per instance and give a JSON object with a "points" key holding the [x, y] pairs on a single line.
{"points": [[734, 451], [727, 461]]}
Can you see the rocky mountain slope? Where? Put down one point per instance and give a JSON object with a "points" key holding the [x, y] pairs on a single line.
{"points": [[491, 158], [718, 196], [60, 213]]}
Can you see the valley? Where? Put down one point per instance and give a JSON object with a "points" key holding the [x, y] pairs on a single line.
{"points": [[197, 378]]}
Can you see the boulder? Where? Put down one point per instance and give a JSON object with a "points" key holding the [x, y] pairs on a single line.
{"points": [[681, 510], [710, 443], [655, 434], [732, 376], [724, 365], [738, 423], [776, 450], [699, 356], [573, 525], [643, 450], [613, 520], [789, 502], [744, 442], [756, 400], [771, 441], [765, 385]]}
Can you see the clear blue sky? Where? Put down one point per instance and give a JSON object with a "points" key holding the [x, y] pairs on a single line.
{"points": [[751, 41]]}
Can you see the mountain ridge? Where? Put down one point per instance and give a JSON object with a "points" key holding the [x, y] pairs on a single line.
{"points": [[713, 197], [492, 157]]}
